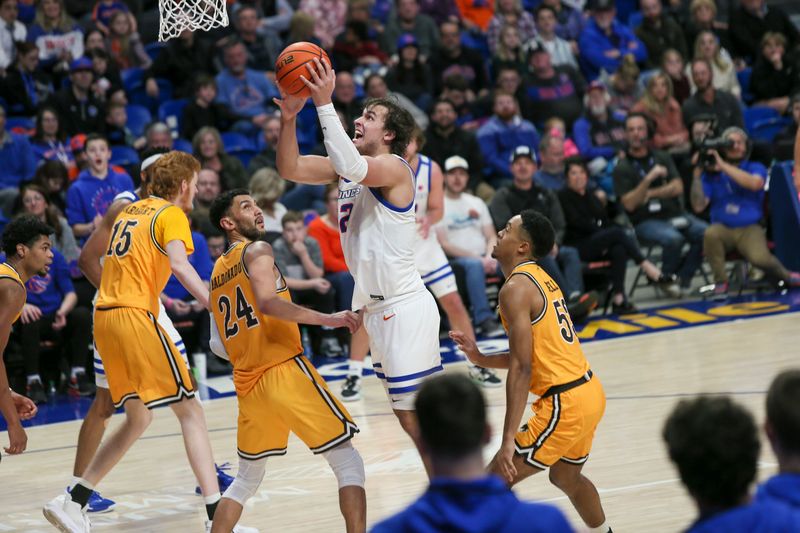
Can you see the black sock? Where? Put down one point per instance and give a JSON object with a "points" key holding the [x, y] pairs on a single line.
{"points": [[211, 508], [80, 494]]}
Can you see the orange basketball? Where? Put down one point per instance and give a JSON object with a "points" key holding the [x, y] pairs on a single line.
{"points": [[291, 64]]}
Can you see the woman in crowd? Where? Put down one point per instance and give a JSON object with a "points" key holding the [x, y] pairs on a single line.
{"points": [[207, 147], [591, 232], [703, 17], [624, 86], [774, 77], [707, 46], [510, 13], [25, 86], [673, 64], [50, 141], [659, 104], [266, 187], [509, 52], [410, 76], [124, 44], [32, 200], [58, 37], [53, 177]]}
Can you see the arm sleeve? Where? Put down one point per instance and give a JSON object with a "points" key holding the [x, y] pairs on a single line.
{"points": [[215, 341], [172, 225]]}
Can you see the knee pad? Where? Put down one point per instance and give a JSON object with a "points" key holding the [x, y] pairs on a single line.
{"points": [[347, 465], [247, 480]]}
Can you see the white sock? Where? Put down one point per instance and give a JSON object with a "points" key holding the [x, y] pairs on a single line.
{"points": [[212, 499], [602, 528], [34, 377], [356, 368], [74, 482], [78, 370]]}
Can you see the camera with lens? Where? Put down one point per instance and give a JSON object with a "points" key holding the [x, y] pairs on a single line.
{"points": [[705, 146]]}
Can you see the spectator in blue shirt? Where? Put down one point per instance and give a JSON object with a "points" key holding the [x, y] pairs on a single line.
{"points": [[783, 431], [90, 195], [501, 134], [50, 313], [605, 40], [17, 160], [453, 430], [734, 188], [246, 92], [714, 445]]}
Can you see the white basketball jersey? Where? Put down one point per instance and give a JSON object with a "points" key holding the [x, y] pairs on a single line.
{"points": [[378, 243], [423, 178]]}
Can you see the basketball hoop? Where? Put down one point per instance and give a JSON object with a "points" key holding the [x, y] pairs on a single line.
{"points": [[179, 15]]}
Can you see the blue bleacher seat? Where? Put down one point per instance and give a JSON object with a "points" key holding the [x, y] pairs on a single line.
{"points": [[171, 113], [744, 81], [183, 145], [132, 79], [766, 130], [138, 118], [135, 89], [153, 49], [237, 142], [753, 115], [124, 156]]}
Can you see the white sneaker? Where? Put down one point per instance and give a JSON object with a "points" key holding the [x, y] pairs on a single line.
{"points": [[236, 529], [66, 515]]}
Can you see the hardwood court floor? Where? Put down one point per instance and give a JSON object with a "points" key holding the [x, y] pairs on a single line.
{"points": [[644, 376]]}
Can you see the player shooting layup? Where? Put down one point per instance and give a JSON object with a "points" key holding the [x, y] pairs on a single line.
{"points": [[378, 230]]}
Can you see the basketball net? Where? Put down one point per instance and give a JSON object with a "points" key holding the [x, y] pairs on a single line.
{"points": [[193, 15]]}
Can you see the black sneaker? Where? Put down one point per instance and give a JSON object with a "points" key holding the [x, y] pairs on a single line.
{"points": [[351, 389], [35, 391], [485, 377], [330, 347], [581, 306], [81, 385], [491, 328], [625, 308]]}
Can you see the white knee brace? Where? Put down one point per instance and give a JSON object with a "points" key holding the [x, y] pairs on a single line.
{"points": [[347, 465], [248, 478]]}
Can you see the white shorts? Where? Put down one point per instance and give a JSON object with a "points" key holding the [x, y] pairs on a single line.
{"points": [[404, 342], [433, 267], [164, 321]]}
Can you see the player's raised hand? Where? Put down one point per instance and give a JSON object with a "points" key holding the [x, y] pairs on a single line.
{"points": [[26, 408], [17, 440], [289, 105], [344, 319], [466, 344], [321, 81]]}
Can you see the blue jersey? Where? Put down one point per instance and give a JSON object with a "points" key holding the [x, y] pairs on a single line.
{"points": [[478, 506], [781, 488], [757, 517]]}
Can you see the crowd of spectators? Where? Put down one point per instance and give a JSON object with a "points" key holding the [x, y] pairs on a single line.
{"points": [[588, 114]]}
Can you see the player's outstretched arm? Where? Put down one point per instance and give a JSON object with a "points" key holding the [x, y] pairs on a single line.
{"points": [[185, 272], [291, 165], [260, 262], [12, 297], [516, 298], [97, 243]]}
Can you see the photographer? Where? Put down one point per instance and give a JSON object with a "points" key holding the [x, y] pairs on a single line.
{"points": [[733, 187], [650, 188]]}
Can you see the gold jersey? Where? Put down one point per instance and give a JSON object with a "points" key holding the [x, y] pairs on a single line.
{"points": [[254, 341], [136, 267], [9, 272], [557, 357]]}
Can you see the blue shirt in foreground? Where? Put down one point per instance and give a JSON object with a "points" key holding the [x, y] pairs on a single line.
{"points": [[757, 517], [781, 488], [477, 506]]}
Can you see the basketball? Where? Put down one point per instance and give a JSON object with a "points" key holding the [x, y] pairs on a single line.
{"points": [[291, 64]]}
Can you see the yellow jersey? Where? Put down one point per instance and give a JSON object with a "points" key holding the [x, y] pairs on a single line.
{"points": [[136, 267], [557, 357], [254, 341], [9, 272]]}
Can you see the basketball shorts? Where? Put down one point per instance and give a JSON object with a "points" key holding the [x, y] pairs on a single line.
{"points": [[434, 267], [165, 323], [139, 359], [563, 426], [404, 342], [291, 396]]}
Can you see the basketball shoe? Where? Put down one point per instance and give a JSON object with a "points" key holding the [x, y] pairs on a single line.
{"points": [[236, 529], [351, 389], [66, 515], [223, 478], [97, 504]]}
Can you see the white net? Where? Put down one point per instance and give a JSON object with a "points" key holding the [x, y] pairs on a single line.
{"points": [[193, 15]]}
